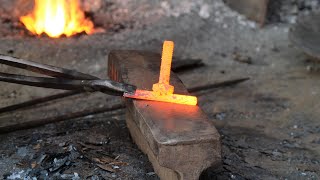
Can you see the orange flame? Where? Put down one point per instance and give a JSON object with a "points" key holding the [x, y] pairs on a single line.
{"points": [[57, 17]]}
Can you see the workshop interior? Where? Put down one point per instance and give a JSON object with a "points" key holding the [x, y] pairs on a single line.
{"points": [[159, 89]]}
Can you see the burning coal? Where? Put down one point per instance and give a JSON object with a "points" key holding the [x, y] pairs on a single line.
{"points": [[56, 18]]}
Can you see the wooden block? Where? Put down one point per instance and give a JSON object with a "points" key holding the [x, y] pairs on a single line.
{"points": [[254, 9], [179, 140]]}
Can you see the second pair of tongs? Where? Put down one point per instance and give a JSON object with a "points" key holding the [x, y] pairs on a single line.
{"points": [[65, 79]]}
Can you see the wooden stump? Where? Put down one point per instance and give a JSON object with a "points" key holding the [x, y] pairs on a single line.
{"points": [[179, 140]]}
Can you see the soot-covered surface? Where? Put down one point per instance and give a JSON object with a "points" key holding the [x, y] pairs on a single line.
{"points": [[269, 125]]}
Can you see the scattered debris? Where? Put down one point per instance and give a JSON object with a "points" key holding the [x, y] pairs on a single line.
{"points": [[37, 147], [17, 175], [242, 58], [74, 176], [151, 173], [106, 167], [220, 116]]}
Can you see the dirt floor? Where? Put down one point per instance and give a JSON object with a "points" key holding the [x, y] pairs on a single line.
{"points": [[269, 125]]}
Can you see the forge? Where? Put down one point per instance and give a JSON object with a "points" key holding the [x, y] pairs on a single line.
{"points": [[57, 18], [257, 92]]}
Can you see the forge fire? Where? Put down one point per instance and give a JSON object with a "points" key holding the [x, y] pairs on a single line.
{"points": [[56, 18]]}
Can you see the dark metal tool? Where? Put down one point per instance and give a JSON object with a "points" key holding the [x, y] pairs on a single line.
{"points": [[63, 78], [177, 66]]}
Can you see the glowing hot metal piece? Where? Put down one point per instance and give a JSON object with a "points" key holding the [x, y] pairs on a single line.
{"points": [[171, 98], [163, 91]]}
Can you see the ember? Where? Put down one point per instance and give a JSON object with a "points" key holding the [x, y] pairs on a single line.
{"points": [[56, 18]]}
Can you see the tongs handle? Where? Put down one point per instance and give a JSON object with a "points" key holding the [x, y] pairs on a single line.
{"points": [[44, 69], [64, 78], [105, 86]]}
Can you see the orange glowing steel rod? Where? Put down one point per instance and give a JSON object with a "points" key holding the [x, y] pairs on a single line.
{"points": [[163, 91]]}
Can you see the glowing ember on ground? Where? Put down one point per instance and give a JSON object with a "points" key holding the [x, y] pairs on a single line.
{"points": [[56, 18], [163, 91]]}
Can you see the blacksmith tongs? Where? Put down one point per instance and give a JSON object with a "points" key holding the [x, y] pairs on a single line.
{"points": [[62, 78]]}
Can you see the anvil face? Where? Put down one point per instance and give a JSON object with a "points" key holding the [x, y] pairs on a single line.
{"points": [[172, 135]]}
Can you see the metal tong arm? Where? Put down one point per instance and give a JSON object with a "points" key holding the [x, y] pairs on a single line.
{"points": [[64, 78], [105, 86], [44, 69]]}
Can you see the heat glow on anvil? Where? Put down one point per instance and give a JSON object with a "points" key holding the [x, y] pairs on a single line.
{"points": [[163, 91]]}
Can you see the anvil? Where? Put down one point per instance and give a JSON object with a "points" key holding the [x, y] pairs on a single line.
{"points": [[179, 140]]}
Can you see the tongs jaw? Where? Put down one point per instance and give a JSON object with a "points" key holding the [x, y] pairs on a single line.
{"points": [[63, 78]]}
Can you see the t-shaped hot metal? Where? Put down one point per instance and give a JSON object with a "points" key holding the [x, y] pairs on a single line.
{"points": [[163, 91]]}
